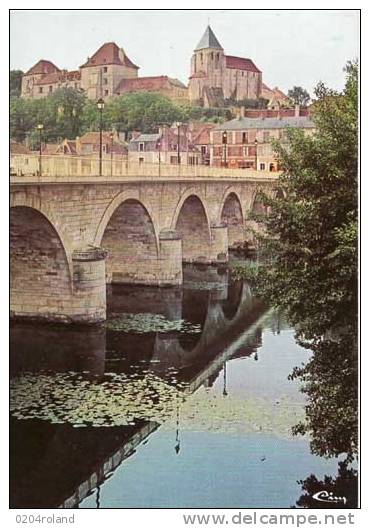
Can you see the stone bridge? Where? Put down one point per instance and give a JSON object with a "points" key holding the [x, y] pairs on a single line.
{"points": [[73, 230]]}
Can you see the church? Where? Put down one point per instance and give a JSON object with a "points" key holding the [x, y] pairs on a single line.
{"points": [[215, 76]]}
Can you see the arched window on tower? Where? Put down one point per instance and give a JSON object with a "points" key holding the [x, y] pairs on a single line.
{"points": [[201, 58], [217, 65]]}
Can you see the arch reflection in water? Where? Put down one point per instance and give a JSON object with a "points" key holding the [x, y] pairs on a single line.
{"points": [[157, 370]]}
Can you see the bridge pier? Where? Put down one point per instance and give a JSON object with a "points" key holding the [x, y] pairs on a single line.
{"points": [[89, 289], [219, 244], [170, 259], [149, 225]]}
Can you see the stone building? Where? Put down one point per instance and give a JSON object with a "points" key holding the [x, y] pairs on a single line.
{"points": [[276, 98], [193, 140], [245, 142], [168, 86], [215, 76], [108, 72], [89, 145], [44, 78]]}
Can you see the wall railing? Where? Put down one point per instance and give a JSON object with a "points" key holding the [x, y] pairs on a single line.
{"points": [[24, 167]]}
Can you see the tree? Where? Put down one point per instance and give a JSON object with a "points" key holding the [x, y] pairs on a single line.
{"points": [[345, 484], [299, 96], [61, 113], [15, 82], [312, 233]]}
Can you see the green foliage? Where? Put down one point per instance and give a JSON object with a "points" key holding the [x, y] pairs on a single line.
{"points": [[312, 233], [299, 95], [345, 484], [60, 113], [248, 103], [15, 82], [68, 113]]}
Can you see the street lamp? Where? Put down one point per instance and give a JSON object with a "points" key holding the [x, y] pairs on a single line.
{"points": [[178, 124], [256, 145], [224, 143], [100, 104], [111, 136], [159, 146], [40, 129]]}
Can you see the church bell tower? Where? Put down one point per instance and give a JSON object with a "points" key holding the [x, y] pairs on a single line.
{"points": [[207, 66]]}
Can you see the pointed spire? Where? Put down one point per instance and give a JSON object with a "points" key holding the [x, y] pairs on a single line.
{"points": [[208, 40]]}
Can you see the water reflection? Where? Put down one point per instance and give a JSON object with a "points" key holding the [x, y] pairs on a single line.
{"points": [[85, 400]]}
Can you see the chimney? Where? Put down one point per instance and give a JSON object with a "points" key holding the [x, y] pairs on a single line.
{"points": [[296, 110], [242, 111], [78, 145]]}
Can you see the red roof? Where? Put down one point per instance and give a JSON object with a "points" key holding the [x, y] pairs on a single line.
{"points": [[147, 83], [43, 66], [239, 63], [94, 138], [109, 53], [18, 148], [53, 78]]}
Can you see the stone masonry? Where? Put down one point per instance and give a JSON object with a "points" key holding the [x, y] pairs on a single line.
{"points": [[68, 239]]}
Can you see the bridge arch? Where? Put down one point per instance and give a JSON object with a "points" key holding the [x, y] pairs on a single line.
{"points": [[191, 221], [256, 205], [40, 275], [32, 201], [112, 207], [231, 214], [128, 233]]}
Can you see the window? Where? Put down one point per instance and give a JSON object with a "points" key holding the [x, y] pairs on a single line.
{"points": [[106, 92], [272, 167], [50, 89], [212, 56], [217, 151], [262, 166], [203, 150], [201, 58], [245, 137], [105, 69], [40, 89], [141, 160], [141, 147]]}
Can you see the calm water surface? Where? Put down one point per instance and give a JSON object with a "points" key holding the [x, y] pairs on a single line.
{"points": [[181, 400]]}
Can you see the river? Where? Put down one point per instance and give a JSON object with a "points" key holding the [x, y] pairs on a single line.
{"points": [[181, 400]]}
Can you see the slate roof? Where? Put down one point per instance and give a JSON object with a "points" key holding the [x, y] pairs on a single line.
{"points": [[266, 123], [208, 40], [146, 138]]}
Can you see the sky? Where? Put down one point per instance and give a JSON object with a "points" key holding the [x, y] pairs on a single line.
{"points": [[291, 47]]}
